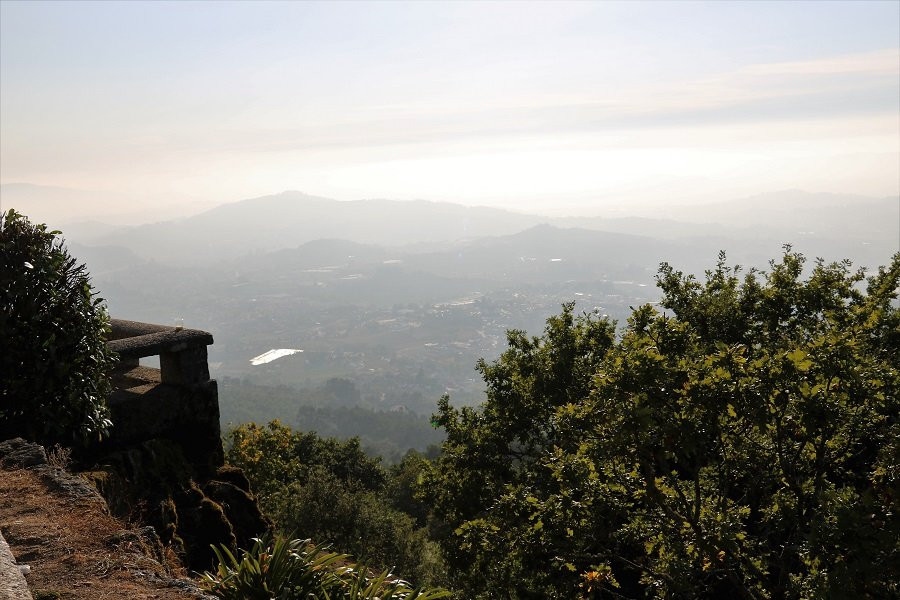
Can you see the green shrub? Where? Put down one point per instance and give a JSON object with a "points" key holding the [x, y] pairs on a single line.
{"points": [[328, 489], [359, 522], [55, 362]]}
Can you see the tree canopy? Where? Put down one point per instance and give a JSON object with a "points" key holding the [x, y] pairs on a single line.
{"points": [[740, 439]]}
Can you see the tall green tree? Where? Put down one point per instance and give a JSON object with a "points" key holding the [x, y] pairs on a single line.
{"points": [[743, 441], [54, 365]]}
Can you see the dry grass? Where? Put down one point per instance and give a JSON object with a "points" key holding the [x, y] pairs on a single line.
{"points": [[59, 456], [65, 543]]}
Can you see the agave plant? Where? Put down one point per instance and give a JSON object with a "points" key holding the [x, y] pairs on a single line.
{"points": [[282, 569], [274, 569], [361, 584]]}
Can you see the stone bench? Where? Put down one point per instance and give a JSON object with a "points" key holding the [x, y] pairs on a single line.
{"points": [[178, 401], [182, 352]]}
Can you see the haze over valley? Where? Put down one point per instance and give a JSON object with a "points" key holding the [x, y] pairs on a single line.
{"points": [[388, 305]]}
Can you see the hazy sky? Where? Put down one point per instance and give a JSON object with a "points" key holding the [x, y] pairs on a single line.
{"points": [[558, 107]]}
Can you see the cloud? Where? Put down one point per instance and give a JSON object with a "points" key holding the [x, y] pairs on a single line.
{"points": [[843, 88], [880, 62], [275, 138]]}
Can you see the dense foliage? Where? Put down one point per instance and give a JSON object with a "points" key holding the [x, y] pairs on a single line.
{"points": [[285, 569], [54, 365], [330, 490], [741, 442]]}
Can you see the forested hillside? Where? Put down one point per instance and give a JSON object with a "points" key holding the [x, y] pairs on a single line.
{"points": [[739, 440]]}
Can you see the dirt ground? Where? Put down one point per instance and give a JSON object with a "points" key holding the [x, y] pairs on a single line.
{"points": [[75, 549]]}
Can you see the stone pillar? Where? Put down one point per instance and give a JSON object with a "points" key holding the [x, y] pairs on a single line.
{"points": [[187, 366]]}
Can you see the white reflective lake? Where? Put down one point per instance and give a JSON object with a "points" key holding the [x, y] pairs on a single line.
{"points": [[274, 354]]}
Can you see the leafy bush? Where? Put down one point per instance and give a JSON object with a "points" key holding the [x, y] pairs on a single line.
{"points": [[55, 362], [285, 569], [743, 443], [330, 490]]}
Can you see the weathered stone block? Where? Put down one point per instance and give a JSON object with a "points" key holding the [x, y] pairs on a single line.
{"points": [[185, 367]]}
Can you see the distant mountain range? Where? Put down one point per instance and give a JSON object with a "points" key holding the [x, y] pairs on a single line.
{"points": [[290, 219], [469, 239]]}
